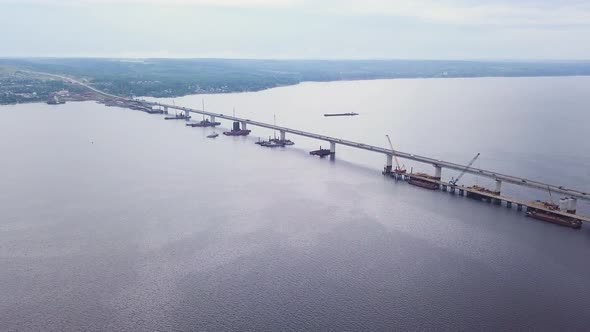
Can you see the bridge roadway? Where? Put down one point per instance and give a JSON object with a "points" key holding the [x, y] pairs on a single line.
{"points": [[436, 162]]}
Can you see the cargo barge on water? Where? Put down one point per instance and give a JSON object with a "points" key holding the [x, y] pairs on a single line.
{"points": [[555, 218], [236, 131]]}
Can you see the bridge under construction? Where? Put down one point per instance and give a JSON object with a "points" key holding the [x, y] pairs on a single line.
{"points": [[432, 181]]}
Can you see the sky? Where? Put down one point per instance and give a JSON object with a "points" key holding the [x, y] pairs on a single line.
{"points": [[298, 29]]}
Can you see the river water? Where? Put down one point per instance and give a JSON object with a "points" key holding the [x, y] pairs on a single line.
{"points": [[112, 219]]}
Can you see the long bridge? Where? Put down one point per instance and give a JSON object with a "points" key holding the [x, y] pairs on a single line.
{"points": [[438, 164]]}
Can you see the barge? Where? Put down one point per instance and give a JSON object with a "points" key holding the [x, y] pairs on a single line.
{"points": [[341, 114], [236, 131], [423, 180], [548, 216]]}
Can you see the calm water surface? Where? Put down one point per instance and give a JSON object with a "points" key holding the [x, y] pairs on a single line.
{"points": [[112, 219]]}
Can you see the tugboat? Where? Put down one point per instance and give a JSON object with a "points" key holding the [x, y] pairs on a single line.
{"points": [[212, 135], [236, 131]]}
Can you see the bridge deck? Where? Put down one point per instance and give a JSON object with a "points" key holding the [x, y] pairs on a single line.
{"points": [[504, 198], [445, 164]]}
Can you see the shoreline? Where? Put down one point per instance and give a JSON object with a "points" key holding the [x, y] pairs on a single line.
{"points": [[331, 81]]}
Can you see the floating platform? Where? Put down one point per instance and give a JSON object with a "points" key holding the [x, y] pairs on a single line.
{"points": [[341, 114], [321, 152], [177, 117], [241, 132], [423, 180], [204, 123]]}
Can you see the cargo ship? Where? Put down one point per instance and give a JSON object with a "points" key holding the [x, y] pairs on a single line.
{"points": [[548, 216], [236, 131], [423, 181], [341, 114]]}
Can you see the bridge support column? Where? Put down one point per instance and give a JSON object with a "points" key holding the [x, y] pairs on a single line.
{"points": [[461, 191], [244, 125], [388, 164], [452, 189], [333, 147], [437, 172], [282, 133], [508, 204], [212, 118], [519, 207], [444, 187], [165, 109], [498, 186], [572, 205]]}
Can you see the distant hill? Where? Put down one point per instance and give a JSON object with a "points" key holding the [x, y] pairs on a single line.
{"points": [[178, 77]]}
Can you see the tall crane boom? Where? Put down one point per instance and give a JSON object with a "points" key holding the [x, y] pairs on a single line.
{"points": [[454, 181], [399, 169]]}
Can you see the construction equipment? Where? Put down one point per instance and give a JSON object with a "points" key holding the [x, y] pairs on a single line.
{"points": [[454, 181], [398, 169]]}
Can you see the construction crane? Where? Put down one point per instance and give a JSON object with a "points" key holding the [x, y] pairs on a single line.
{"points": [[398, 169], [454, 181]]}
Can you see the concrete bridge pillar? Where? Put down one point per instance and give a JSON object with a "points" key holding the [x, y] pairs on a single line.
{"points": [[388, 164], [165, 109], [572, 205], [212, 118], [244, 125], [498, 186], [333, 147], [186, 113], [282, 132], [437, 171]]}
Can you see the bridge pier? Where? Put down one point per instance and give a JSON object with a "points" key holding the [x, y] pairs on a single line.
{"points": [[437, 172], [165, 109], [244, 125], [282, 133], [498, 186], [444, 187], [572, 205], [212, 118], [519, 207], [452, 189], [508, 204], [388, 164], [333, 148]]}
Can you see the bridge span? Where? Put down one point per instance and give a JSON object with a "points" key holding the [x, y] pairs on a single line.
{"points": [[437, 163]]}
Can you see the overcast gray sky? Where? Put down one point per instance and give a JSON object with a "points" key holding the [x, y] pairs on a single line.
{"points": [[327, 29]]}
